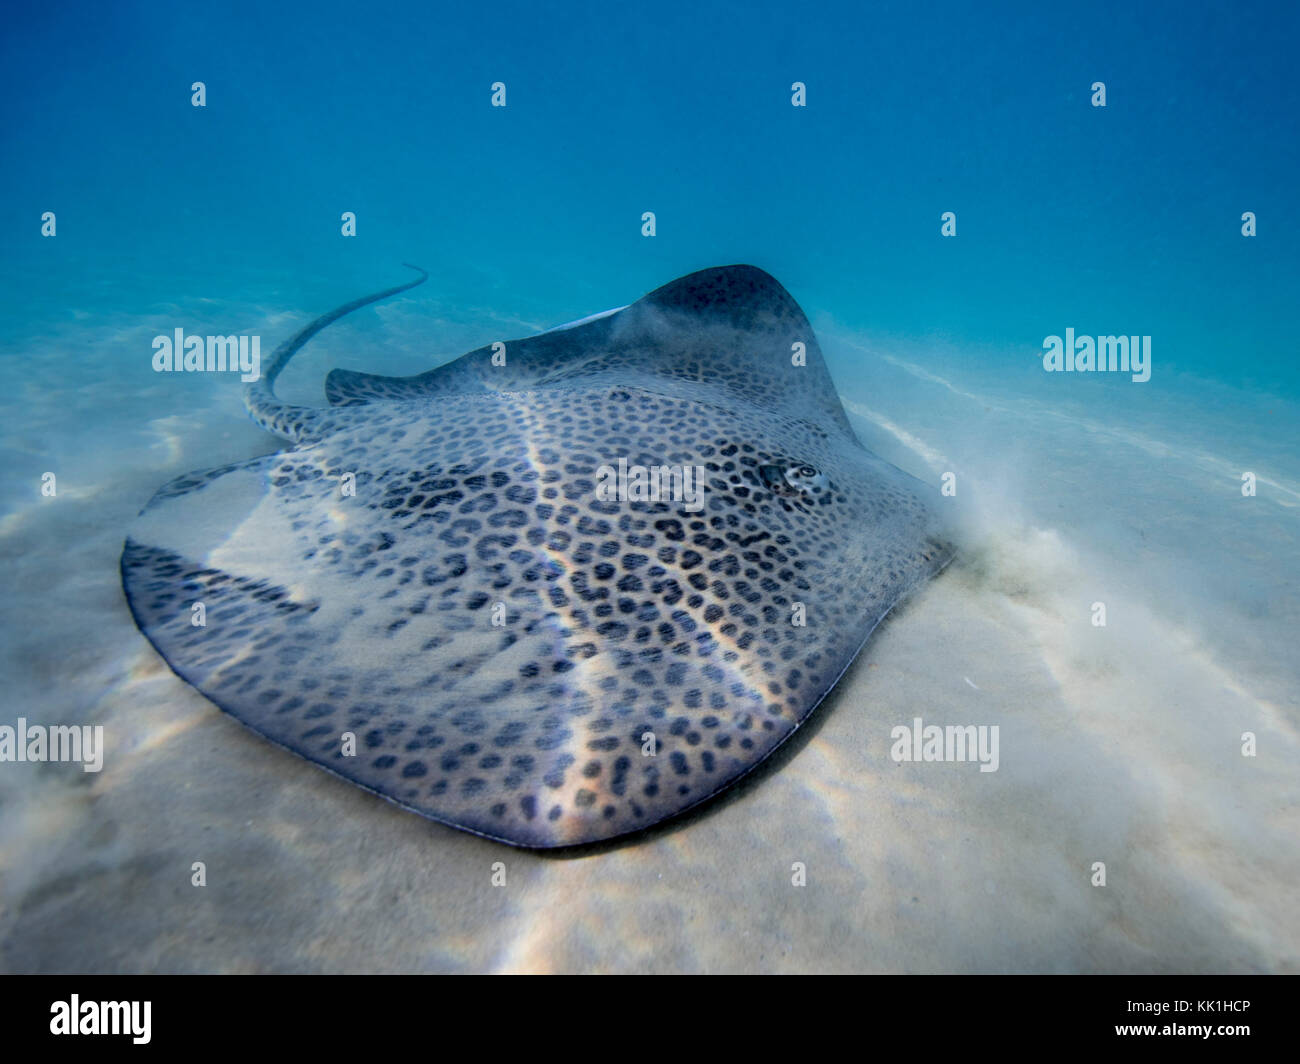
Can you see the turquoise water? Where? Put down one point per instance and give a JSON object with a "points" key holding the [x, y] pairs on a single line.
{"points": [[1122, 219], [1125, 219]]}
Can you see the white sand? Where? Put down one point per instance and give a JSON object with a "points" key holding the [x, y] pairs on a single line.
{"points": [[1118, 744]]}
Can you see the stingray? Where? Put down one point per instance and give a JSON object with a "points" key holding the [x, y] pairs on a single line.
{"points": [[443, 592]]}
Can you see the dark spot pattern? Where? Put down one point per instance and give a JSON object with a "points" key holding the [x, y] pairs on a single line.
{"points": [[497, 638]]}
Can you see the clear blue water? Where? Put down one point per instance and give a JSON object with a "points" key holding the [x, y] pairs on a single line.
{"points": [[1124, 219]]}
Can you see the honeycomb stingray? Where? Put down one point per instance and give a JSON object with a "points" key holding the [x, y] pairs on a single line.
{"points": [[524, 644]]}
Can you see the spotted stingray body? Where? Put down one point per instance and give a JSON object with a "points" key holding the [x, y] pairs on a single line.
{"points": [[430, 566]]}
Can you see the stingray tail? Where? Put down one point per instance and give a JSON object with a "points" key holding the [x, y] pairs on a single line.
{"points": [[284, 419]]}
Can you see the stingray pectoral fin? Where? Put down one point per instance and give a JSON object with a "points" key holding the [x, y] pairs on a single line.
{"points": [[437, 597], [444, 642], [205, 559]]}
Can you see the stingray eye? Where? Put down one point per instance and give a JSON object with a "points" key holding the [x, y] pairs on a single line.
{"points": [[806, 479], [792, 479]]}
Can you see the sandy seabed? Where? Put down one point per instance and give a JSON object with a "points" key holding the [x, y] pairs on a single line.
{"points": [[1119, 745]]}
